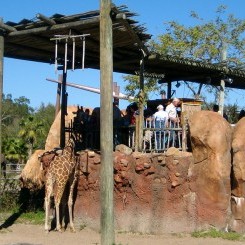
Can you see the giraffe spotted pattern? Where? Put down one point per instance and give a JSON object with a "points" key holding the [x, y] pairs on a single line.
{"points": [[62, 169]]}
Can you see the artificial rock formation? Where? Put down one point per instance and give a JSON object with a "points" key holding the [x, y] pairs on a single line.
{"points": [[238, 177], [210, 137], [53, 139], [168, 192], [31, 176], [151, 191]]}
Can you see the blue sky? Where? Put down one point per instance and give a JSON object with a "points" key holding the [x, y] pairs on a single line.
{"points": [[23, 78]]}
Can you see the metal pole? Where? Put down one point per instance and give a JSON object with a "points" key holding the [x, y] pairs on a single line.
{"points": [[106, 124], [1, 89], [63, 109]]}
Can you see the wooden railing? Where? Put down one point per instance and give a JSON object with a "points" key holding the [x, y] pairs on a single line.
{"points": [[155, 139]]}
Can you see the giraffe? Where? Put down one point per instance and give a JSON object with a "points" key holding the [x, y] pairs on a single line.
{"points": [[61, 169]]}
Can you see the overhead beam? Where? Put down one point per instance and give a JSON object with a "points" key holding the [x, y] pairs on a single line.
{"points": [[7, 27], [45, 19], [58, 27]]}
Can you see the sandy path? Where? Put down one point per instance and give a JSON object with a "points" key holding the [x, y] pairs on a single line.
{"points": [[22, 234]]}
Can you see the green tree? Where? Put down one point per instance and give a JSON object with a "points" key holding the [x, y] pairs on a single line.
{"points": [[46, 115], [209, 41], [15, 150], [30, 130], [132, 88], [205, 41], [13, 110]]}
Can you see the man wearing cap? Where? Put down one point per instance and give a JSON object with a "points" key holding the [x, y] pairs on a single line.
{"points": [[171, 109], [160, 121]]}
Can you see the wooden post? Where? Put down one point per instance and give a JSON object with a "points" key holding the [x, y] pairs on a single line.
{"points": [[1, 89], [63, 110], [184, 133], [141, 106], [136, 133], [106, 125], [169, 90]]}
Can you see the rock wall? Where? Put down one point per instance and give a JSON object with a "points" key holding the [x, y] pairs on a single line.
{"points": [[153, 193], [238, 178], [53, 139], [211, 138]]}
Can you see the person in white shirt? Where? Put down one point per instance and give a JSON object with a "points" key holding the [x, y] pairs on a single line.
{"points": [[171, 109], [160, 121]]}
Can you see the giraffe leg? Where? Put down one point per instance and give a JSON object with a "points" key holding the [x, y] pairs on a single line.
{"points": [[70, 205], [47, 207], [57, 209]]}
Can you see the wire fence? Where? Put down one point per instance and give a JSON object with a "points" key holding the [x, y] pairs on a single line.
{"points": [[9, 178]]}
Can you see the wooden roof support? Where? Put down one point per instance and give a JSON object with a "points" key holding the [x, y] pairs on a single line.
{"points": [[58, 27], [135, 37], [46, 19], [7, 28], [106, 125]]}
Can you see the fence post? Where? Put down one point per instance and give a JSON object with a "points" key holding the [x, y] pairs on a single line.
{"points": [[184, 134]]}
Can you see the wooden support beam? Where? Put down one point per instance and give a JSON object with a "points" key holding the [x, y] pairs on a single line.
{"points": [[7, 28], [169, 92], [106, 125], [45, 19], [141, 106], [59, 27]]}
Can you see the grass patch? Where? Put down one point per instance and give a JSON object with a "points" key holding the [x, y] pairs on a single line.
{"points": [[36, 218], [213, 233]]}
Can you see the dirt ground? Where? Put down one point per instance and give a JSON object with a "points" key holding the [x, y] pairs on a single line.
{"points": [[24, 234]]}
